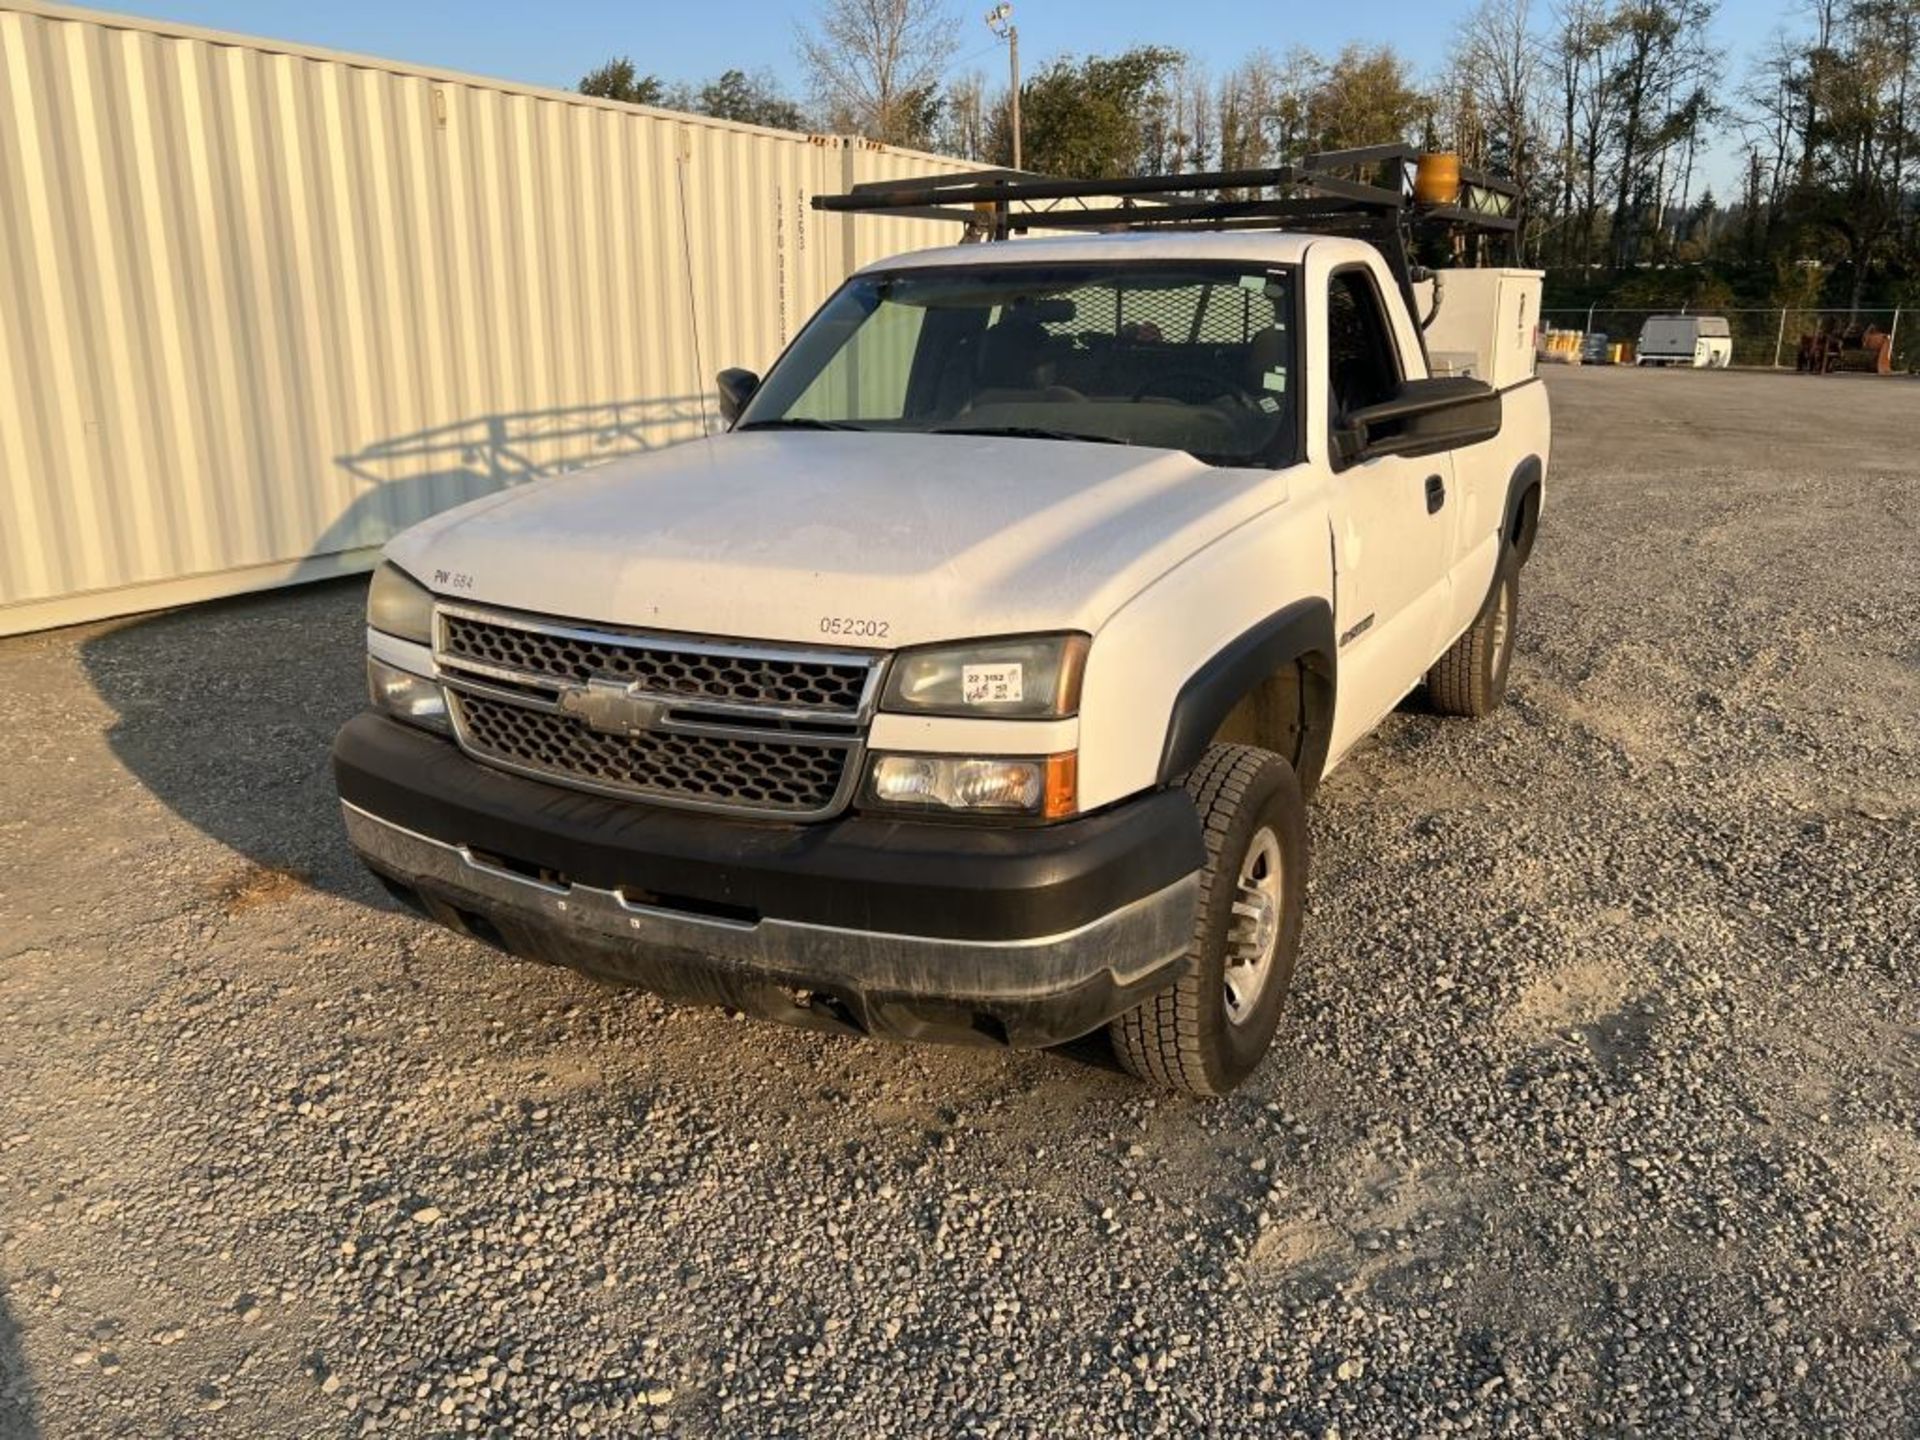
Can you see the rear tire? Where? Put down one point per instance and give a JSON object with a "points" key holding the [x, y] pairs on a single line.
{"points": [[1206, 1034], [1471, 677]]}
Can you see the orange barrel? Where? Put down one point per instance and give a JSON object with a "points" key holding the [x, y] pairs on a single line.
{"points": [[1436, 180]]}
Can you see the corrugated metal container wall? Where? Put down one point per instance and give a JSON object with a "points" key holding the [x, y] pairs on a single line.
{"points": [[261, 306], [879, 237]]}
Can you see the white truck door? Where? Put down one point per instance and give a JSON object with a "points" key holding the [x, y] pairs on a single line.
{"points": [[1392, 518]]}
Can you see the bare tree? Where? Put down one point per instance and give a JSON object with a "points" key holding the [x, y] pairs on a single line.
{"points": [[1190, 103], [1582, 60], [1263, 108], [1661, 77], [875, 65], [1244, 102], [1177, 133], [1497, 82], [965, 120], [1825, 15], [1771, 106]]}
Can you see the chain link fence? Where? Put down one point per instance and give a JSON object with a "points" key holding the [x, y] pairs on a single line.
{"points": [[1765, 338]]}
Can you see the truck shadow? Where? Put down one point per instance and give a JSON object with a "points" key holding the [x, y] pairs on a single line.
{"points": [[403, 480], [226, 710], [16, 1384]]}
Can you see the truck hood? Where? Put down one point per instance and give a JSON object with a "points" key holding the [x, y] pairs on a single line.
{"points": [[791, 535]]}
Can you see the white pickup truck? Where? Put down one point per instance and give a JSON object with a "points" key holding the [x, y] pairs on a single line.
{"points": [[971, 685]]}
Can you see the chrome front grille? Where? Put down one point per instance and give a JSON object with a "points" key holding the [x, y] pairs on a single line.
{"points": [[754, 730], [753, 774], [662, 666]]}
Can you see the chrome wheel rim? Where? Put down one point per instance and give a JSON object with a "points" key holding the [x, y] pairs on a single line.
{"points": [[1253, 927]]}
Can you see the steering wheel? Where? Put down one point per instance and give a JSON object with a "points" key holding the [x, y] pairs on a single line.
{"points": [[1191, 384]]}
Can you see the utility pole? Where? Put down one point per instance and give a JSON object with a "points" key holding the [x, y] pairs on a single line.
{"points": [[1000, 22]]}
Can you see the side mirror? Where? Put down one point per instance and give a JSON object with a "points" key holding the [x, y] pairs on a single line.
{"points": [[736, 389], [1423, 417]]}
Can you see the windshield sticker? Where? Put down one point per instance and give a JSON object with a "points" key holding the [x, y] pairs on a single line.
{"points": [[1275, 380], [991, 684]]}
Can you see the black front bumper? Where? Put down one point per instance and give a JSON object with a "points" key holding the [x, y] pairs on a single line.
{"points": [[1028, 936]]}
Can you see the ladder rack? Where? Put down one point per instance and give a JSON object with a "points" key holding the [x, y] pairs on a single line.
{"points": [[1326, 193]]}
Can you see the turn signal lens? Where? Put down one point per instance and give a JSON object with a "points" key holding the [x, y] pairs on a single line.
{"points": [[1063, 785], [1040, 785]]}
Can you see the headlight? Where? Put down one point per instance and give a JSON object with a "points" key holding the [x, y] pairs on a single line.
{"points": [[1033, 678], [400, 605], [406, 696], [1039, 785]]}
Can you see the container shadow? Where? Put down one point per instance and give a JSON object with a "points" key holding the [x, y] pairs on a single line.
{"points": [[16, 1384]]}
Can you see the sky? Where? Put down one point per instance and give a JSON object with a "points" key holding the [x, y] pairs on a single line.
{"points": [[555, 42]]}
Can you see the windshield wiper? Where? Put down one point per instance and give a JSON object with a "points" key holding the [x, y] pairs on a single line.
{"points": [[799, 422], [1026, 432]]}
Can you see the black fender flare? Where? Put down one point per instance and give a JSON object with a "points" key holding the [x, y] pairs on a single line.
{"points": [[1301, 633], [1520, 521]]}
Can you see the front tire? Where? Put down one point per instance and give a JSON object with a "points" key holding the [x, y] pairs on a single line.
{"points": [[1471, 677], [1206, 1034]]}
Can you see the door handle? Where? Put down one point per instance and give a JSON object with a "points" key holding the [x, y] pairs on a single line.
{"points": [[1436, 493]]}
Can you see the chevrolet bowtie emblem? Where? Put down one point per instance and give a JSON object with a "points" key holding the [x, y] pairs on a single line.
{"points": [[613, 707]]}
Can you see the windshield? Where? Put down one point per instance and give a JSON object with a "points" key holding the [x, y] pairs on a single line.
{"points": [[1183, 356]]}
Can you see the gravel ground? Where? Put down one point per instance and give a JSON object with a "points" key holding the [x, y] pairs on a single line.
{"points": [[1596, 1109]]}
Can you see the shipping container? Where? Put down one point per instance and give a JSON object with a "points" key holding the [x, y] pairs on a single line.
{"points": [[262, 305]]}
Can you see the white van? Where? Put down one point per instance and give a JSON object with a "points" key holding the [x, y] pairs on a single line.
{"points": [[1702, 341]]}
